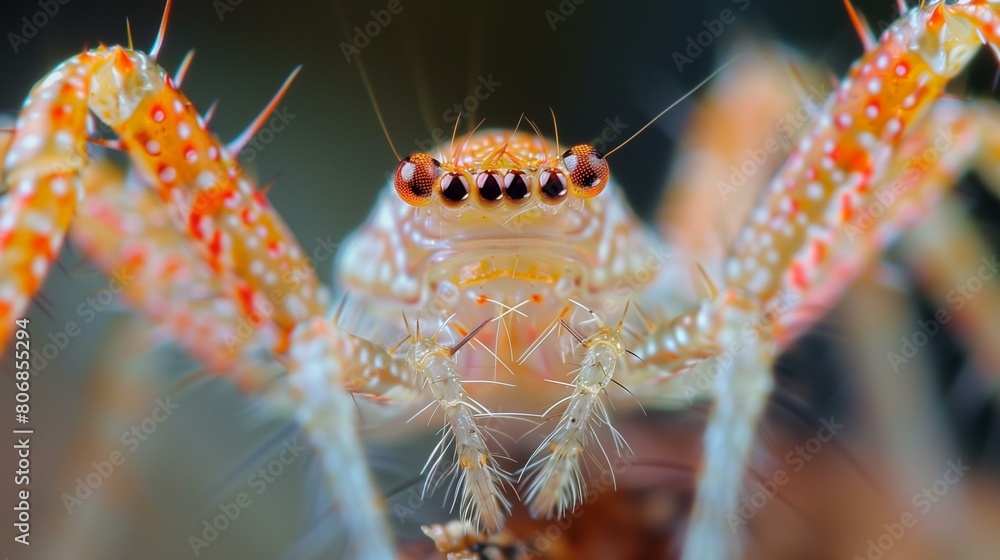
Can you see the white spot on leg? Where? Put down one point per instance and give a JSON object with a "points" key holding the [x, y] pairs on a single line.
{"points": [[53, 78], [60, 186], [168, 174], [894, 126], [760, 279], [31, 141], [733, 267], [64, 141], [874, 86], [38, 266]]}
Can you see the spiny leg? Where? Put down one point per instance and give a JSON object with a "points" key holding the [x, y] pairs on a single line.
{"points": [[746, 342], [555, 485], [235, 228], [126, 231], [41, 169], [210, 197], [327, 412], [734, 142], [785, 252]]}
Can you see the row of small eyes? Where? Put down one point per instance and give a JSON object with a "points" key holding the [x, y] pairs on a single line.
{"points": [[419, 176]]}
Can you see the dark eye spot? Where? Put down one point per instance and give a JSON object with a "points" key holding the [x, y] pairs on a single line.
{"points": [[489, 186], [515, 185], [553, 184], [454, 187], [414, 179], [588, 170]]}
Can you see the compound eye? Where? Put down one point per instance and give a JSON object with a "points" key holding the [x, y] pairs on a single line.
{"points": [[454, 187], [588, 171], [515, 185], [552, 183], [414, 178], [488, 184]]}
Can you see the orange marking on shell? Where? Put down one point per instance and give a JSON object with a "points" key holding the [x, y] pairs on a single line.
{"points": [[215, 246], [261, 198], [173, 266], [245, 295], [41, 245], [274, 248], [537, 298], [122, 62], [798, 275], [194, 221], [846, 211], [935, 23], [209, 201], [481, 299], [819, 251]]}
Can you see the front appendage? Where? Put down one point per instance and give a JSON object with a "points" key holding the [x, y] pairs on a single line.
{"points": [[329, 356], [555, 485]]}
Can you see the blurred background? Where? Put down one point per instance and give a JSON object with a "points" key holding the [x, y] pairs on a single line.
{"points": [[592, 63]]}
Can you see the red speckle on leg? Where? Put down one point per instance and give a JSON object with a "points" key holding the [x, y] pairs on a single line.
{"points": [[798, 276]]}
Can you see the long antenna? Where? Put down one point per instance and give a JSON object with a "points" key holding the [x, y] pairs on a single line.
{"points": [[675, 103], [378, 111], [555, 126]]}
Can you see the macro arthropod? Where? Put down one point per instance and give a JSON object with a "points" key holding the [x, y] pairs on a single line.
{"points": [[505, 254]]}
